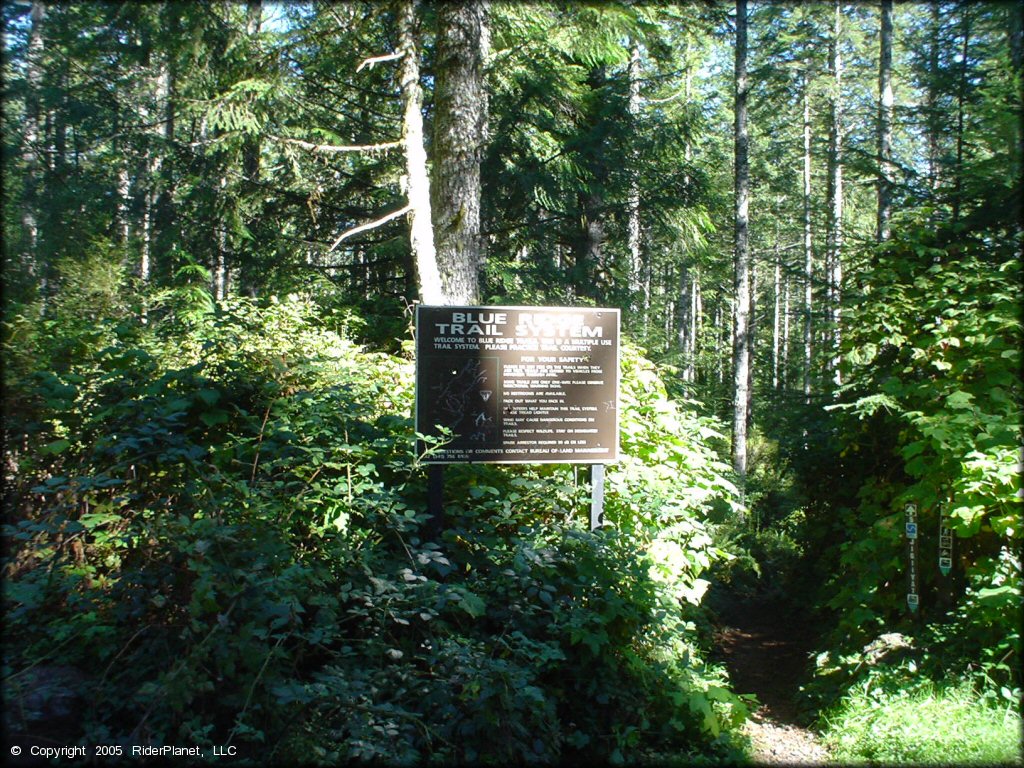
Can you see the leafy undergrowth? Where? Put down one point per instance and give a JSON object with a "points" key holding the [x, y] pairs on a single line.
{"points": [[932, 724], [219, 536], [927, 424]]}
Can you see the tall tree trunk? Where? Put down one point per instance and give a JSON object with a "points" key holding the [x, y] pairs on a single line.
{"points": [[934, 119], [158, 235], [835, 193], [421, 236], [31, 149], [885, 110], [58, 176], [961, 108], [633, 201], [155, 193], [248, 270], [124, 224], [741, 257], [776, 302], [690, 371], [640, 273], [590, 269], [646, 279], [1015, 34], [808, 242], [220, 265], [130, 169], [684, 318], [128, 162], [155, 182], [723, 336], [460, 129], [147, 182], [669, 314], [785, 333], [687, 94], [752, 343], [697, 309], [689, 319]]}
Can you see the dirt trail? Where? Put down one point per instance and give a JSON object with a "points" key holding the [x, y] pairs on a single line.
{"points": [[765, 649]]}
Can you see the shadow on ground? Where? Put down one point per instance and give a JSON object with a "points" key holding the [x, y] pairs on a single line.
{"points": [[766, 647]]}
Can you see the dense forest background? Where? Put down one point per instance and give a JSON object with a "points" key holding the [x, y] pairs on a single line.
{"points": [[217, 217]]}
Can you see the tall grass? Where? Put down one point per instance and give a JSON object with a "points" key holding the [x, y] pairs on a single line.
{"points": [[934, 724]]}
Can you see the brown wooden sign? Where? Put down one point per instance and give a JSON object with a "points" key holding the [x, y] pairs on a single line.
{"points": [[519, 384]]}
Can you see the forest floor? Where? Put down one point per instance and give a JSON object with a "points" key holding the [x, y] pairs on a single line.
{"points": [[765, 647]]}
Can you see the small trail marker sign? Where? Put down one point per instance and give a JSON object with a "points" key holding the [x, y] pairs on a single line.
{"points": [[945, 547], [519, 384]]}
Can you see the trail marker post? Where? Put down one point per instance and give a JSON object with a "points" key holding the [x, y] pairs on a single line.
{"points": [[945, 546], [913, 599]]}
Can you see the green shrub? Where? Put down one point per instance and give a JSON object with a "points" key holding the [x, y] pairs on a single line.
{"points": [[929, 415], [221, 526]]}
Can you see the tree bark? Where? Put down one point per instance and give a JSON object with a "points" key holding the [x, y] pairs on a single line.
{"points": [[460, 129], [741, 257], [30, 148], [154, 192], [58, 167], [1015, 34], [684, 318], [885, 112], [123, 208], [590, 270], [808, 243], [785, 333], [247, 271], [689, 319], [633, 201], [752, 343], [776, 302], [961, 110], [154, 186], [421, 236], [722, 342], [669, 313], [697, 304], [159, 236], [834, 238], [220, 264], [932, 100]]}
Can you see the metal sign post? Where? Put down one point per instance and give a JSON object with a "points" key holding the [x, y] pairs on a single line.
{"points": [[910, 512], [596, 496]]}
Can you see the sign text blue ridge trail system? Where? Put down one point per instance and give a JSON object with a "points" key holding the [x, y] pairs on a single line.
{"points": [[518, 384]]}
